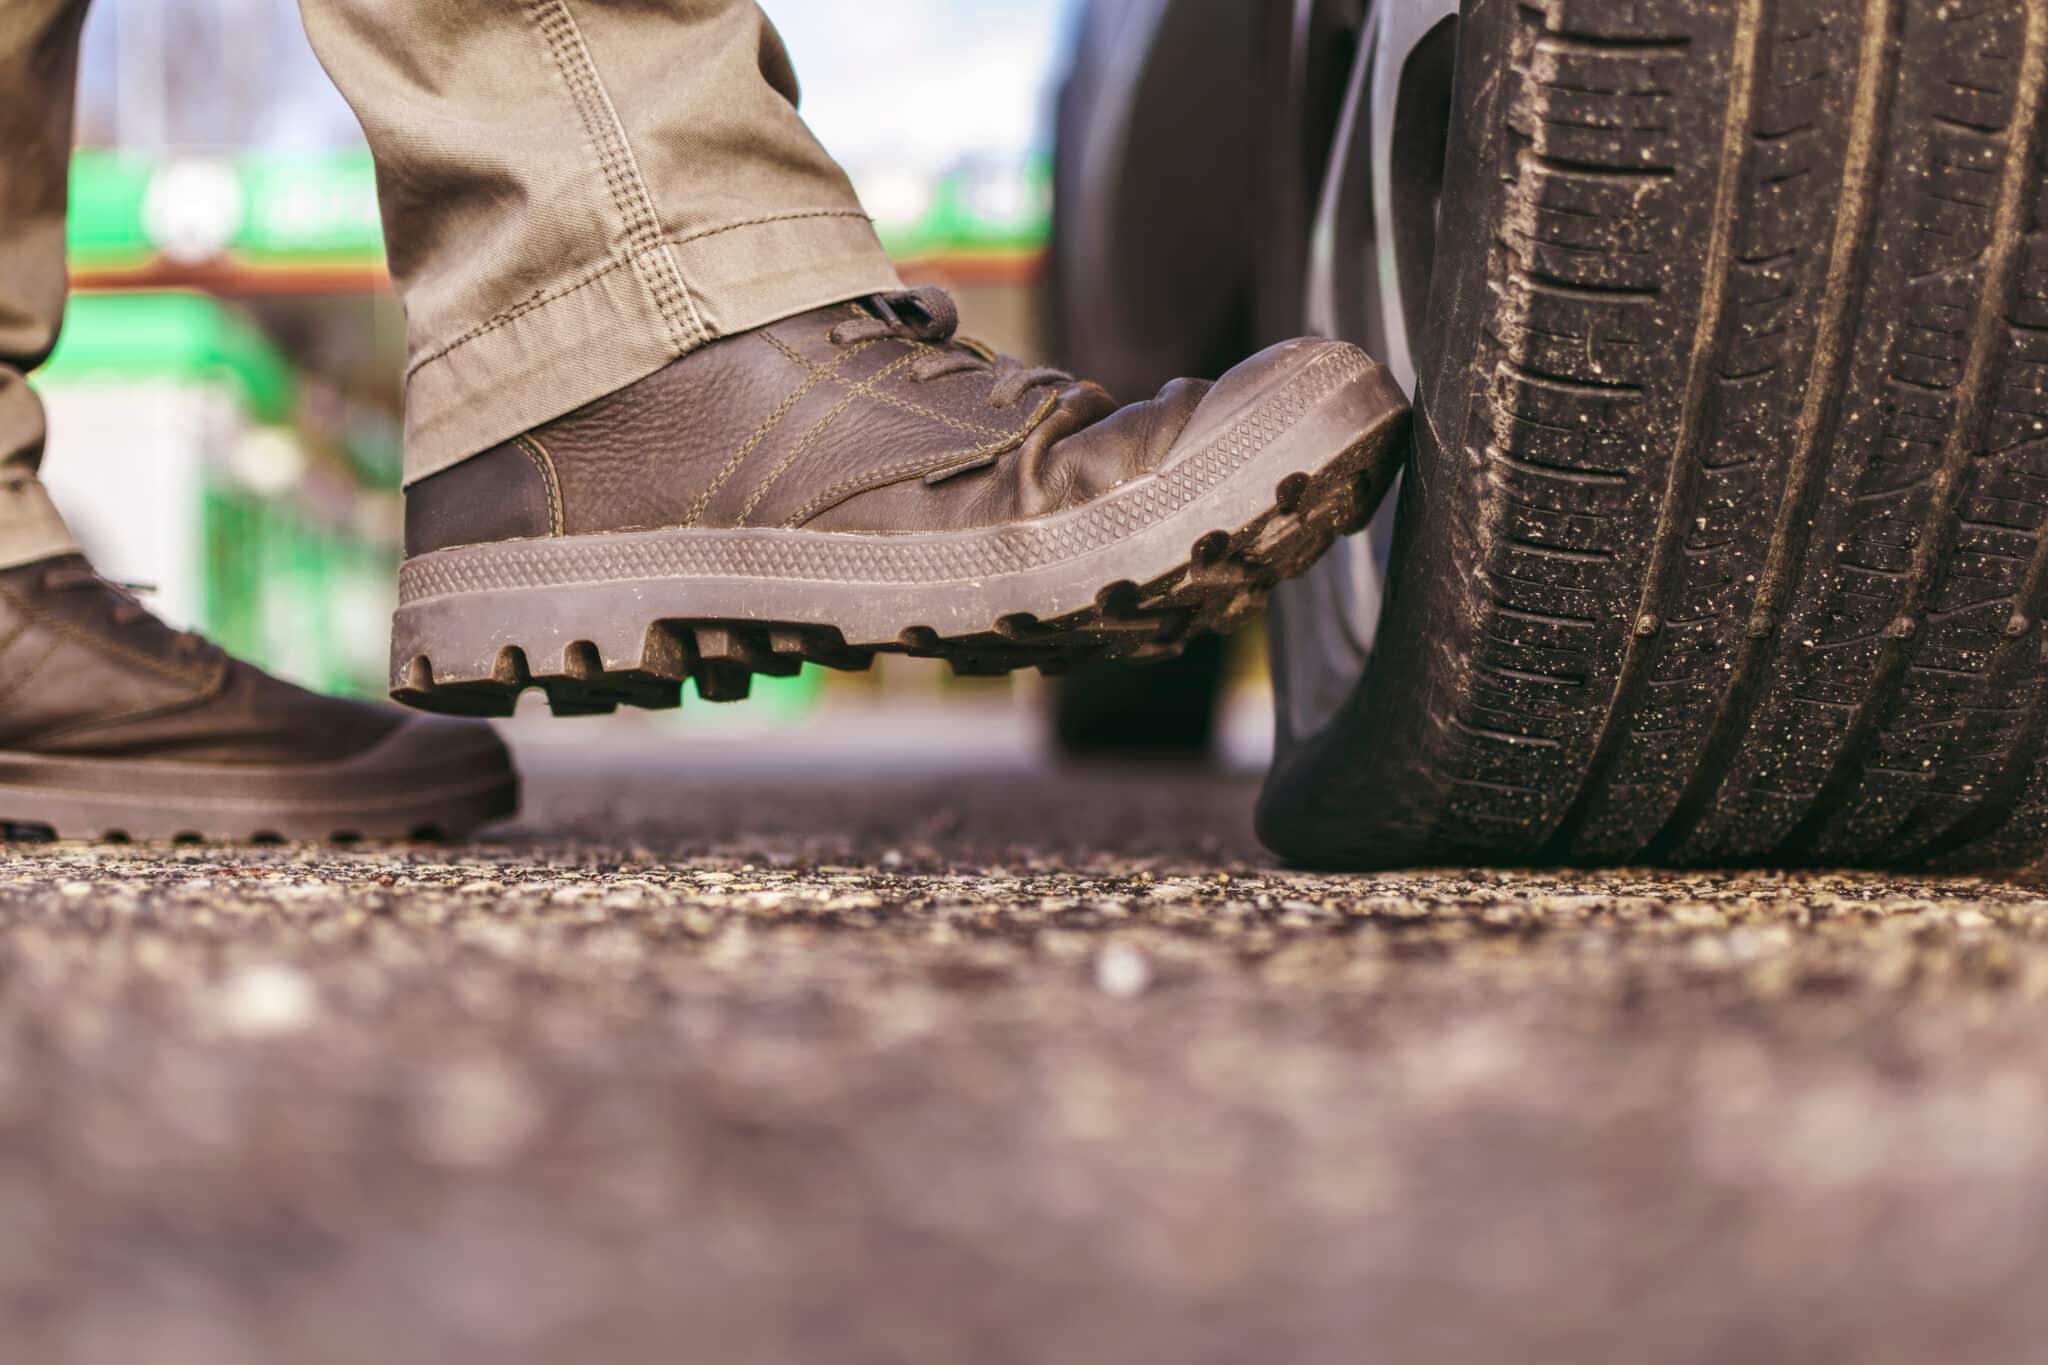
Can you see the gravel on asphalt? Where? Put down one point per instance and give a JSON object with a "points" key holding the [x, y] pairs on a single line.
{"points": [[997, 1067]]}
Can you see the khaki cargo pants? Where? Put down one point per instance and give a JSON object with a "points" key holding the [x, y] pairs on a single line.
{"points": [[575, 192]]}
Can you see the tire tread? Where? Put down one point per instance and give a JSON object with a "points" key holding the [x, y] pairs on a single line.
{"points": [[1728, 540]]}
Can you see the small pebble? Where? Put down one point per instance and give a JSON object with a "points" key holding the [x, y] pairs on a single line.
{"points": [[1121, 971], [268, 1001]]}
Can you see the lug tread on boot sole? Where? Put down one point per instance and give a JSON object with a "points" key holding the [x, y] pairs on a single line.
{"points": [[36, 814]]}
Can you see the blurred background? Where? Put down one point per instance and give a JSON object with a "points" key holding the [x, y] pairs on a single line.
{"points": [[233, 347]]}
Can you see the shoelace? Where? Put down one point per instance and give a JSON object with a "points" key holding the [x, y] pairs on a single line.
{"points": [[929, 315], [128, 610]]}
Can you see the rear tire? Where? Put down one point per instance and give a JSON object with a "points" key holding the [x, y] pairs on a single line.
{"points": [[1725, 538]]}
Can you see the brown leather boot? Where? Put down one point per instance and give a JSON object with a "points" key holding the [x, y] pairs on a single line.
{"points": [[858, 479], [112, 722]]}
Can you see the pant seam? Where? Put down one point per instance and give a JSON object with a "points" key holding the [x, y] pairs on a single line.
{"points": [[766, 219], [535, 302], [649, 255], [621, 171]]}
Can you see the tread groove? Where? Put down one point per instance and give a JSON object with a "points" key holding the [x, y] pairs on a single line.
{"points": [[2001, 277], [1855, 223], [1739, 114], [1999, 800]]}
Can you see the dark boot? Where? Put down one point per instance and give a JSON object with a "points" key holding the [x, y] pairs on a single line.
{"points": [[112, 722], [858, 479]]}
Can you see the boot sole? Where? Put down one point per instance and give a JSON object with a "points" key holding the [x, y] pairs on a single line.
{"points": [[470, 782], [625, 618]]}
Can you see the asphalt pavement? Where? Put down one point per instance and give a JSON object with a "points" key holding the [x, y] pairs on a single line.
{"points": [[924, 1051]]}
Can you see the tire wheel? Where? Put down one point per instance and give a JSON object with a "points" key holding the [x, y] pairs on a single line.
{"points": [[1725, 536]]}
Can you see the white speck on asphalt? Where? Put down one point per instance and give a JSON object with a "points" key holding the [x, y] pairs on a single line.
{"points": [[1121, 971], [267, 1001]]}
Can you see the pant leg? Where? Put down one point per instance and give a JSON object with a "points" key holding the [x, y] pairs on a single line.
{"points": [[38, 90], [576, 192]]}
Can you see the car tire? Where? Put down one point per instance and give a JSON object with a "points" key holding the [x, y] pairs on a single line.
{"points": [[1726, 536]]}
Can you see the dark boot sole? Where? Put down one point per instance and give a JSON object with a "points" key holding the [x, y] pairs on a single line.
{"points": [[626, 618], [433, 788]]}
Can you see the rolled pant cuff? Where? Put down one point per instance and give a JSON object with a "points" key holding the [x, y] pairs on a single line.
{"points": [[603, 329], [30, 526]]}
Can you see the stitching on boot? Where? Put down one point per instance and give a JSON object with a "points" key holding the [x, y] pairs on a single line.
{"points": [[544, 464], [816, 376], [91, 723], [21, 680], [959, 424], [136, 657], [958, 462], [7, 642], [854, 393], [652, 260], [85, 725]]}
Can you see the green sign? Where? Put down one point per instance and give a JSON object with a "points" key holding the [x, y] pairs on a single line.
{"points": [[172, 334], [258, 208], [270, 209]]}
